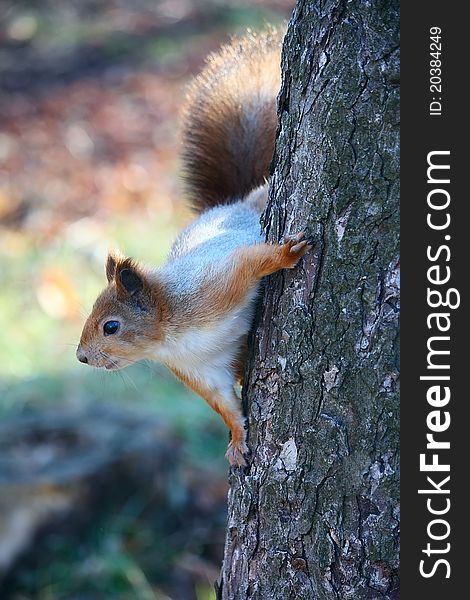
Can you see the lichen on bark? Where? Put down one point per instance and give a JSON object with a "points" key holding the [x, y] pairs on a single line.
{"points": [[316, 513]]}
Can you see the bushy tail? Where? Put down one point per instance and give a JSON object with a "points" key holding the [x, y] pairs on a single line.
{"points": [[230, 120]]}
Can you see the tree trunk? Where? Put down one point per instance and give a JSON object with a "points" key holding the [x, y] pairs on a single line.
{"points": [[316, 513]]}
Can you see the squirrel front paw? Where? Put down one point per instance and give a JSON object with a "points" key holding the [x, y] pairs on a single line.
{"points": [[293, 248], [236, 453]]}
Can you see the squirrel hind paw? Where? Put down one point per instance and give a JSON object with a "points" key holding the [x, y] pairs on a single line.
{"points": [[236, 454]]}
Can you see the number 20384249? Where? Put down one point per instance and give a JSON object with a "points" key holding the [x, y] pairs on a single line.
{"points": [[435, 71]]}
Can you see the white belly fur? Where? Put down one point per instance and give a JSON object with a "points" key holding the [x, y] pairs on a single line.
{"points": [[208, 353]]}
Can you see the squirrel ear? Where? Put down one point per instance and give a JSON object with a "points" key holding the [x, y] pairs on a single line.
{"points": [[125, 272], [130, 280], [110, 267], [114, 257]]}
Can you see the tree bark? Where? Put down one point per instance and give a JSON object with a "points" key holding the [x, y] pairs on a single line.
{"points": [[316, 513]]}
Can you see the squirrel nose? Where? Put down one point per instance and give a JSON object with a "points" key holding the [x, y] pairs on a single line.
{"points": [[81, 356]]}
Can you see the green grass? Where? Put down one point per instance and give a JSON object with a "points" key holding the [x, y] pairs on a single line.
{"points": [[119, 558]]}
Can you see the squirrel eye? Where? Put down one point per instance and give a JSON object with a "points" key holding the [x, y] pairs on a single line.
{"points": [[110, 327]]}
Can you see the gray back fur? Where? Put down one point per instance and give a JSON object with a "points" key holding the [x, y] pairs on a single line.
{"points": [[202, 247]]}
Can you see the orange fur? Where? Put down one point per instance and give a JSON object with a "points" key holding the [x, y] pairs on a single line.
{"points": [[144, 317], [247, 266], [229, 410]]}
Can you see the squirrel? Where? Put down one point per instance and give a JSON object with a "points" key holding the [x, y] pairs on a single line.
{"points": [[194, 313]]}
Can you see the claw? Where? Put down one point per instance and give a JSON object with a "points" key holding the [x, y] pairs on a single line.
{"points": [[298, 247], [236, 455], [294, 247], [290, 239]]}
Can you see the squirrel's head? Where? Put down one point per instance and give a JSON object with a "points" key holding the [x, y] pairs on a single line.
{"points": [[125, 319]]}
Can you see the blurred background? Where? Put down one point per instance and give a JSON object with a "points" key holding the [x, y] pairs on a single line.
{"points": [[112, 485]]}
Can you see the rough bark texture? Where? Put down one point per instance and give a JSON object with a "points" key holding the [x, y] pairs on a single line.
{"points": [[316, 513]]}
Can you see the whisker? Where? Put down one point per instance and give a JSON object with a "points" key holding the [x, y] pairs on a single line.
{"points": [[131, 362], [127, 379], [122, 375]]}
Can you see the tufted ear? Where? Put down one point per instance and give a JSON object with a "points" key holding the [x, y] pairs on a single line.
{"points": [[114, 257], [126, 273], [129, 277]]}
